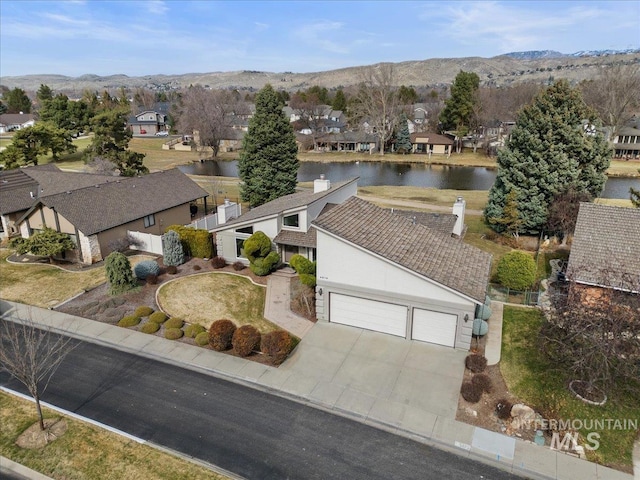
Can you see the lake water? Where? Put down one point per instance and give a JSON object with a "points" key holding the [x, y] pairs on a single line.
{"points": [[398, 174]]}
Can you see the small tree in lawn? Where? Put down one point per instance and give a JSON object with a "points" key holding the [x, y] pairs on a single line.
{"points": [[172, 251], [46, 243], [119, 273], [31, 356], [403, 138]]}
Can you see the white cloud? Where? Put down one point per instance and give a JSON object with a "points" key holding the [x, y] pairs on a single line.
{"points": [[157, 7], [261, 26], [320, 35]]}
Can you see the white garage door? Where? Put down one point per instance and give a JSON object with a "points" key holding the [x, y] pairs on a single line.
{"points": [[370, 314], [434, 327]]}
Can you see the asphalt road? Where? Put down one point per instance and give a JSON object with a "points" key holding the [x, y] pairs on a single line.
{"points": [[249, 432]]}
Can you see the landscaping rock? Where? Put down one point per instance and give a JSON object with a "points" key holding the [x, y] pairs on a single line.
{"points": [[523, 417]]}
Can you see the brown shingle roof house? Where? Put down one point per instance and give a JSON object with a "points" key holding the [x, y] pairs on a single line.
{"points": [[97, 215], [606, 247]]}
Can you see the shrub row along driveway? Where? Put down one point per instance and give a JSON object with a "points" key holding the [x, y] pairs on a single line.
{"points": [[204, 298]]}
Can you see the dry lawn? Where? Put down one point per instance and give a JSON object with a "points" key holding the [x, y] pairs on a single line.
{"points": [[88, 452], [207, 297], [476, 199]]}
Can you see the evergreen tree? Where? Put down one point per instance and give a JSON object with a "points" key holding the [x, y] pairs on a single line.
{"points": [[403, 138], [339, 101], [17, 101], [47, 243], [268, 164], [44, 94], [634, 195], [172, 251], [119, 273], [458, 109], [550, 150]]}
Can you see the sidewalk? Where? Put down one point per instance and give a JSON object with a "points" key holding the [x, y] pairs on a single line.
{"points": [[407, 388]]}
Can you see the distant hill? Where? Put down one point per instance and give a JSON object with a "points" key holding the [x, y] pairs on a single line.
{"points": [[534, 66]]}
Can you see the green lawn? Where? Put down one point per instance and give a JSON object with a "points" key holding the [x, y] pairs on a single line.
{"points": [[86, 452], [543, 386]]}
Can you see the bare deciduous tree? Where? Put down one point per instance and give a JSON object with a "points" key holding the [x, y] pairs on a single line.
{"points": [[614, 94], [377, 102], [311, 112], [563, 211], [31, 356], [206, 114]]}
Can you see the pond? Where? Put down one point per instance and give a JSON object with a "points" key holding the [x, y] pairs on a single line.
{"points": [[398, 174]]}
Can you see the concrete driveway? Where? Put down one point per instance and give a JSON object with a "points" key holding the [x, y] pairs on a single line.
{"points": [[357, 370]]}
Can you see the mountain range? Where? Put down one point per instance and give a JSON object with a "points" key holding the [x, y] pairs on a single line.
{"points": [[540, 66]]}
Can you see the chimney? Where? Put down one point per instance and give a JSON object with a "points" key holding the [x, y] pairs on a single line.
{"points": [[458, 211], [321, 184], [228, 211]]}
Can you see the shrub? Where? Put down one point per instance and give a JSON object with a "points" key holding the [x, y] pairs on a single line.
{"points": [[119, 273], [129, 321], [172, 270], [158, 317], [264, 266], [143, 311], [173, 333], [20, 244], [197, 267], [195, 242], [476, 363], [256, 246], [172, 251], [145, 268], [308, 280], [193, 330], [245, 340], [202, 338], [239, 266], [218, 262], [174, 322], [483, 382], [302, 265], [150, 327], [221, 334], [517, 270], [276, 345], [470, 392], [152, 279], [503, 409]]}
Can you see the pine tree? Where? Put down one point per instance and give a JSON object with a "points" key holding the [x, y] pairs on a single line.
{"points": [[119, 273], [403, 138], [268, 164], [458, 109], [550, 149], [172, 251], [339, 101]]}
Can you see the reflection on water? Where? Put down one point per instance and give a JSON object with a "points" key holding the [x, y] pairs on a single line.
{"points": [[409, 174]]}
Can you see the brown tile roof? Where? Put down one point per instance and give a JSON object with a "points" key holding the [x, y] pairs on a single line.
{"points": [[98, 208], [282, 204], [452, 263], [432, 138], [442, 222], [606, 249], [300, 239]]}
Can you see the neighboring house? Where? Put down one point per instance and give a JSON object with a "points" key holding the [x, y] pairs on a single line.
{"points": [[605, 252], [431, 144], [626, 143], [285, 220], [148, 123], [346, 142], [16, 121], [388, 273], [232, 140], [20, 188], [99, 215]]}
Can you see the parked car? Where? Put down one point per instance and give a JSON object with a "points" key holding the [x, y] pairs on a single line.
{"points": [[162, 133]]}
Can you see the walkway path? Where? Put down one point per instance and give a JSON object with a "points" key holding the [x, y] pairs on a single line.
{"points": [[276, 308]]}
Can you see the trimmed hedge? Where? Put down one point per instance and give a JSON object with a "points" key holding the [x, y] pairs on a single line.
{"points": [[220, 334], [195, 242], [193, 330], [517, 270], [173, 333], [277, 346], [145, 268], [158, 317], [476, 363], [302, 265], [150, 327], [470, 392], [245, 340], [174, 322], [218, 262], [129, 321], [503, 409], [143, 311], [202, 338], [483, 382]]}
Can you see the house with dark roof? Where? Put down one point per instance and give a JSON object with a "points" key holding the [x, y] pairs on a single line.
{"points": [[285, 220], [97, 215], [431, 144], [16, 121], [20, 188], [605, 252], [148, 123], [626, 143], [389, 273]]}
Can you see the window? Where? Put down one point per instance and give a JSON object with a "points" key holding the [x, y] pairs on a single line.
{"points": [[248, 230], [239, 243], [149, 221], [291, 221]]}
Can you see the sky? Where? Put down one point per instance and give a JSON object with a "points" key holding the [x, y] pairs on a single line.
{"points": [[138, 38]]}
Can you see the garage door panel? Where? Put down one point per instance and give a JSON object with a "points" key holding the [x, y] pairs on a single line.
{"points": [[368, 314], [434, 327]]}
